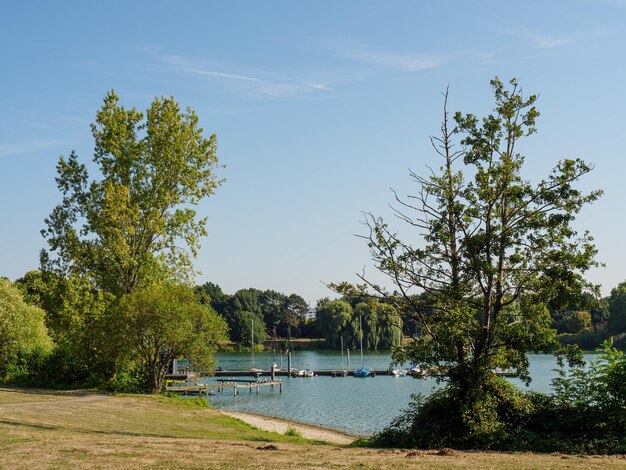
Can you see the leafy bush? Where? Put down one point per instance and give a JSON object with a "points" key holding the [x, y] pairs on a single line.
{"points": [[291, 431], [132, 381], [586, 414], [587, 341]]}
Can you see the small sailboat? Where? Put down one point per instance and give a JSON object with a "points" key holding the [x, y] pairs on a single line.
{"points": [[362, 372], [399, 372]]}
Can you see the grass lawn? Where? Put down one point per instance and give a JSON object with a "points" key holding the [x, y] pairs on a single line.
{"points": [[63, 430]]}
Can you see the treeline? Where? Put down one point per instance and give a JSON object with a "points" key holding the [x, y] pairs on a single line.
{"points": [[587, 320], [584, 318], [277, 316], [342, 322], [270, 313]]}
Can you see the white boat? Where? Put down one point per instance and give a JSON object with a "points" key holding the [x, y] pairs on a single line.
{"points": [[305, 373], [399, 372]]}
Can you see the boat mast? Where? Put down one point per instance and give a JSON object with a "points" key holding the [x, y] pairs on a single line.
{"points": [[342, 366], [252, 338], [361, 334]]}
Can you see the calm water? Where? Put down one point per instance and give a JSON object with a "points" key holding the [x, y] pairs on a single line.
{"points": [[357, 405]]}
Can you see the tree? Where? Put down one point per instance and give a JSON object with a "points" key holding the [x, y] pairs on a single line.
{"points": [[23, 333], [617, 309], [578, 322], [490, 249], [389, 327], [245, 324], [165, 322], [294, 314], [131, 224], [365, 323], [81, 323], [272, 305], [332, 319], [212, 294]]}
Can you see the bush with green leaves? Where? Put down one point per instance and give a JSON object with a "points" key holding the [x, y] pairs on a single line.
{"points": [[585, 414], [24, 340]]}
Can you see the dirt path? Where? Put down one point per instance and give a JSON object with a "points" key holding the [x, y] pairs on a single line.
{"points": [[281, 426], [56, 399]]}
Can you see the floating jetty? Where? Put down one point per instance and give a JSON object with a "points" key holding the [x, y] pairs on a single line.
{"points": [[211, 389], [293, 373], [322, 373]]}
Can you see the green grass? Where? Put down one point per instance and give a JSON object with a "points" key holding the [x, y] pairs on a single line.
{"points": [[170, 432]]}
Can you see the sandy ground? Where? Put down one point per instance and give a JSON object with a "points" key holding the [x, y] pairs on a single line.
{"points": [[281, 426]]}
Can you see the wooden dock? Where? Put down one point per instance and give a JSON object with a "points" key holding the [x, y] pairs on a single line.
{"points": [[236, 385], [293, 373], [320, 373]]}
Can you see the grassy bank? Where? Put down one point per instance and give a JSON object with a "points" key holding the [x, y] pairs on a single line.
{"points": [[40, 429]]}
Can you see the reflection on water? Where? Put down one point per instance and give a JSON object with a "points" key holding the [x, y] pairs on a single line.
{"points": [[357, 405]]}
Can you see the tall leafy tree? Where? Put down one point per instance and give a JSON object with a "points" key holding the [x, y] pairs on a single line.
{"points": [[166, 322], [135, 221], [489, 248]]}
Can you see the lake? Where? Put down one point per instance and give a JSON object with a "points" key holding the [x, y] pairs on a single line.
{"points": [[357, 405]]}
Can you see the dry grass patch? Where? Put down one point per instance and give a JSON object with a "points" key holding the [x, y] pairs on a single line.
{"points": [[13, 395], [157, 432]]}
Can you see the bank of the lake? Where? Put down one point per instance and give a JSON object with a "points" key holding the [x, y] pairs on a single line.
{"points": [[357, 406], [57, 430]]}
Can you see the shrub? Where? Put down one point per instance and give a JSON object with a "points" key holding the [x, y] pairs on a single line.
{"points": [[586, 414]]}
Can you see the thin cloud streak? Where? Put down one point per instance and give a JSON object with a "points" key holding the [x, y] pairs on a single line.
{"points": [[319, 86], [538, 40], [216, 74], [275, 88], [27, 147]]}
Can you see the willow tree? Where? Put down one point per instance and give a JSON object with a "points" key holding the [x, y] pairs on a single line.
{"points": [[135, 220], [488, 247]]}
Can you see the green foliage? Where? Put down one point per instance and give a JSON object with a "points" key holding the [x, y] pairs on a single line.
{"points": [[283, 316], [569, 313], [494, 247], [617, 309], [134, 380], [291, 431], [82, 324], [448, 418], [379, 323], [586, 414], [127, 227], [587, 341], [332, 320], [24, 340], [244, 325], [166, 321], [600, 384]]}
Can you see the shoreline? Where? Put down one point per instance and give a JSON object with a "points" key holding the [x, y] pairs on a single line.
{"points": [[282, 425]]}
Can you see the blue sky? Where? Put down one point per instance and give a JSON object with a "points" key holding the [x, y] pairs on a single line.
{"points": [[319, 108]]}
